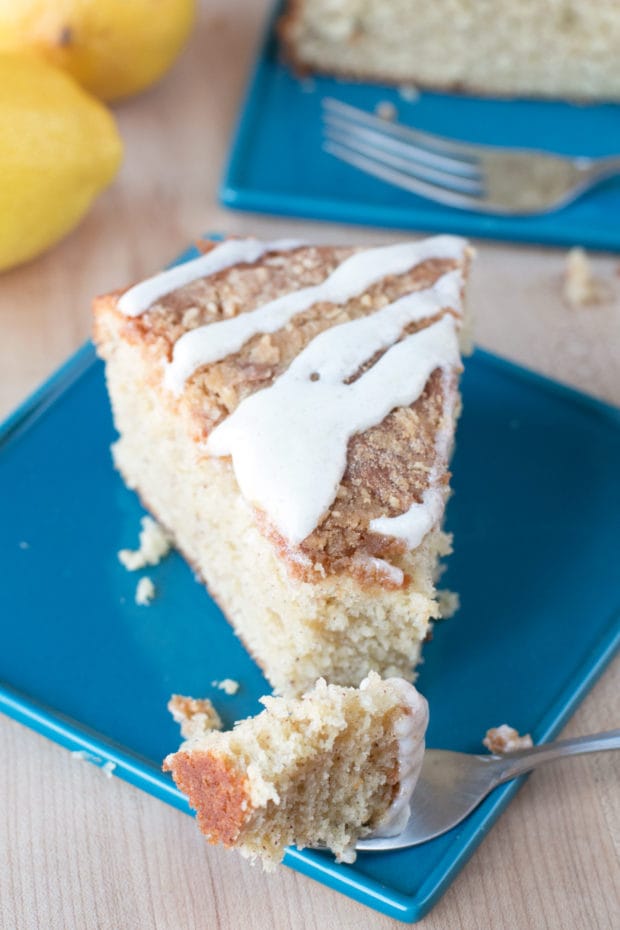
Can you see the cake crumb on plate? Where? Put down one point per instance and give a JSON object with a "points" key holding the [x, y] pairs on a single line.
{"points": [[82, 755], [196, 716], [227, 685], [503, 739], [145, 592], [154, 544]]}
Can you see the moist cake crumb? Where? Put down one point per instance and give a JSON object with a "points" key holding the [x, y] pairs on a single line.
{"points": [[145, 592], [154, 544], [196, 716], [505, 739], [227, 685]]}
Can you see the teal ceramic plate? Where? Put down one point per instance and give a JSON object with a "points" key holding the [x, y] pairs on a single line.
{"points": [[535, 515], [276, 164]]}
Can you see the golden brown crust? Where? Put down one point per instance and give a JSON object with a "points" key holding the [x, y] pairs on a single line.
{"points": [[388, 466], [216, 791]]}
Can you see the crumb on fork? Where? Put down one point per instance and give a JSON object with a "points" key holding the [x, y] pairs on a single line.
{"points": [[504, 739], [387, 111], [325, 769]]}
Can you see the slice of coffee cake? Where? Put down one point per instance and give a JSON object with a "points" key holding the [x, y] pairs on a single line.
{"points": [[287, 412], [323, 770]]}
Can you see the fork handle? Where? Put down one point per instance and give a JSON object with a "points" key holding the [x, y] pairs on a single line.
{"points": [[517, 763], [597, 169]]}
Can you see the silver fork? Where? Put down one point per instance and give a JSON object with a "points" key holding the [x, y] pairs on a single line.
{"points": [[483, 178], [452, 784]]}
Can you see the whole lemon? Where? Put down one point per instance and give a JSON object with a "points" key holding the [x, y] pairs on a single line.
{"points": [[58, 148], [112, 47]]}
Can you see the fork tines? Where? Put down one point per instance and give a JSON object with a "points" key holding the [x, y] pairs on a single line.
{"points": [[429, 165]]}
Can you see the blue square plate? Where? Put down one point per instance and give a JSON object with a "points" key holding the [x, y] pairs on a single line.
{"points": [[535, 515], [277, 166]]}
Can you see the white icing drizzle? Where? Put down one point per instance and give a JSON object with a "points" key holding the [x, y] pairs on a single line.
{"points": [[412, 525], [409, 730], [207, 344], [372, 565], [289, 441], [231, 252]]}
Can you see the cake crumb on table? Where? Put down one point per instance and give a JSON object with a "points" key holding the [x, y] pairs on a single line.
{"points": [[503, 739], [196, 716], [145, 592], [82, 755], [286, 775], [581, 287], [227, 685], [154, 544]]}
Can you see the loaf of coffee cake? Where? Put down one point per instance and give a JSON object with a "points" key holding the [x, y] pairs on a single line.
{"points": [[542, 48]]}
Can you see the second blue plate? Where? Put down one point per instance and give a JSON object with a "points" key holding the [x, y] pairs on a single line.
{"points": [[276, 163]]}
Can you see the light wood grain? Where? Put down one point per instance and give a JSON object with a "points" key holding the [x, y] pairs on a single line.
{"points": [[82, 851]]}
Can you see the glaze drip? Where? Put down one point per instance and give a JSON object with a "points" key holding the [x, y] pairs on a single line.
{"points": [[215, 341], [288, 442], [139, 298]]}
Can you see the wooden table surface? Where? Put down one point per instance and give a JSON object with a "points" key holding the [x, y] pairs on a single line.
{"points": [[79, 850]]}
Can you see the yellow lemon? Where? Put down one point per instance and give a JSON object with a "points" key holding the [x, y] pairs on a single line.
{"points": [[58, 148], [112, 47]]}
